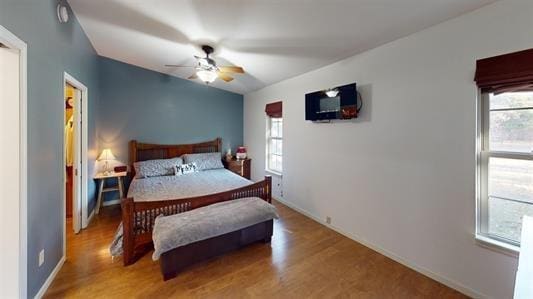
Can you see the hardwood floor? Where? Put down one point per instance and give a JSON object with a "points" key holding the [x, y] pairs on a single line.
{"points": [[304, 260]]}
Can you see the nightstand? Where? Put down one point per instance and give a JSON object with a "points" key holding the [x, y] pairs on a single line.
{"points": [[102, 189], [240, 167]]}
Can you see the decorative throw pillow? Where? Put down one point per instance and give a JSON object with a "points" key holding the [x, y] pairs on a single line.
{"points": [[204, 161], [185, 168], [153, 168]]}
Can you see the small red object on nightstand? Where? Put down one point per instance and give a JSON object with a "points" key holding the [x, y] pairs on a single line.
{"points": [[241, 153]]}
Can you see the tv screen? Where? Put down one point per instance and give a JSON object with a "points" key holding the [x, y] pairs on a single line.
{"points": [[328, 104], [336, 103]]}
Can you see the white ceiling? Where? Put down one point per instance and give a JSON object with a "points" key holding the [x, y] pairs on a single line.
{"points": [[272, 39]]}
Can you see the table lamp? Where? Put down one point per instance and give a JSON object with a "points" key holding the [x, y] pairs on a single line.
{"points": [[106, 155]]}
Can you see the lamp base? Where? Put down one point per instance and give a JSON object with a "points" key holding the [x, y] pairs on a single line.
{"points": [[106, 168]]}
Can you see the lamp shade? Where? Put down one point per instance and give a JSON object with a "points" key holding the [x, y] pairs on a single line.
{"points": [[106, 155], [208, 76]]}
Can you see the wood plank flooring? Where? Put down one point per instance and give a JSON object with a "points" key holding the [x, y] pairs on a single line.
{"points": [[304, 260]]}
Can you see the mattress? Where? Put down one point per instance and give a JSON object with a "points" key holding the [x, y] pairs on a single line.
{"points": [[187, 185]]}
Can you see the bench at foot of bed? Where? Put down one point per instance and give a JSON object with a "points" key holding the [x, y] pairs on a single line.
{"points": [[174, 261]]}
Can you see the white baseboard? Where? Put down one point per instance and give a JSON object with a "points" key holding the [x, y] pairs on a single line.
{"points": [[50, 278], [111, 202], [446, 281]]}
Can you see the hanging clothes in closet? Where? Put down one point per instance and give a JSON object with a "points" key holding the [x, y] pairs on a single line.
{"points": [[69, 135]]}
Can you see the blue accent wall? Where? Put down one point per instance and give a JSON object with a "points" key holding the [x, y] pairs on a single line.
{"points": [[152, 107], [53, 48], [125, 102]]}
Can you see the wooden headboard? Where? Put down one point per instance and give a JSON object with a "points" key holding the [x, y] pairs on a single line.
{"points": [[147, 151]]}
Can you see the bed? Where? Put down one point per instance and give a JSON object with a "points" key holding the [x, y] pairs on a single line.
{"points": [[168, 195]]}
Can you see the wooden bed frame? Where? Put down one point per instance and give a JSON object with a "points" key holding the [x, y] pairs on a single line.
{"points": [[138, 217]]}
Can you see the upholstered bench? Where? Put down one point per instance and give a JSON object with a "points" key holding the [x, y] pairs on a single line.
{"points": [[186, 238]]}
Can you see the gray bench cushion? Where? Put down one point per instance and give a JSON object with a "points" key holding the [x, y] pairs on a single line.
{"points": [[207, 222]]}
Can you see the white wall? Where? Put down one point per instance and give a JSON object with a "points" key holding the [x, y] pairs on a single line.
{"points": [[401, 177], [10, 174]]}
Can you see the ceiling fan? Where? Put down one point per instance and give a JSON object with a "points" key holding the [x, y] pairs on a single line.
{"points": [[207, 69]]}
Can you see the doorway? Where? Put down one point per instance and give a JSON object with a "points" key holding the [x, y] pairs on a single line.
{"points": [[75, 161], [13, 158], [71, 144]]}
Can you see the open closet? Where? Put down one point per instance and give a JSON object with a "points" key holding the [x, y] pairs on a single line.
{"points": [[70, 95]]}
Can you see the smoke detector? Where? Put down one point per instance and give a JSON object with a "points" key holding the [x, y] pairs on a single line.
{"points": [[62, 13]]}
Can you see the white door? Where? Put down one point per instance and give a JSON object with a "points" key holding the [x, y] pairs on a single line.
{"points": [[79, 143], [10, 190], [77, 166]]}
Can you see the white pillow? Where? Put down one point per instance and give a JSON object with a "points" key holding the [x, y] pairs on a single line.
{"points": [[153, 168], [185, 169]]}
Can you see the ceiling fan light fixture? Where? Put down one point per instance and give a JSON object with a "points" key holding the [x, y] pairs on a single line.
{"points": [[208, 76], [206, 68], [203, 62]]}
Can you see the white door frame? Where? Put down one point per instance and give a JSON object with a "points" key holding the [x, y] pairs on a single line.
{"points": [[13, 42], [82, 200]]}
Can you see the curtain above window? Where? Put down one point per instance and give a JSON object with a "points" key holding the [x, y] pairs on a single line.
{"points": [[274, 109], [506, 73]]}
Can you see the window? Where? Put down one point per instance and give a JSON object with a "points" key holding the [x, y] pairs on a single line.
{"points": [[275, 144], [505, 180]]}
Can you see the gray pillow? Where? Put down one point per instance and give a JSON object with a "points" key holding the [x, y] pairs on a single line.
{"points": [[204, 161], [159, 167]]}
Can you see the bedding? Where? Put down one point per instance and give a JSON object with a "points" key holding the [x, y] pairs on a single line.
{"points": [[182, 186], [210, 221], [155, 168], [205, 161], [176, 187]]}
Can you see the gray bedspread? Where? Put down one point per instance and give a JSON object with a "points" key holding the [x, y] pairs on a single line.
{"points": [[188, 185], [203, 223], [176, 187]]}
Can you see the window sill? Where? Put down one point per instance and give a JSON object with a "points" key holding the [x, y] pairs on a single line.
{"points": [[498, 246], [274, 172]]}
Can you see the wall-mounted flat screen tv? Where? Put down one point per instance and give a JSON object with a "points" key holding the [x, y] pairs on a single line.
{"points": [[335, 103]]}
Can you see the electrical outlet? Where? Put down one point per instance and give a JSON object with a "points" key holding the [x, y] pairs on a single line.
{"points": [[41, 257], [328, 220]]}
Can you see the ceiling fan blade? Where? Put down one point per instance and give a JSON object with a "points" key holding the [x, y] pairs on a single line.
{"points": [[193, 76], [231, 69], [175, 65], [225, 77]]}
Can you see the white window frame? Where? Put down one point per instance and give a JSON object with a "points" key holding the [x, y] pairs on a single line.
{"points": [[268, 142], [483, 154]]}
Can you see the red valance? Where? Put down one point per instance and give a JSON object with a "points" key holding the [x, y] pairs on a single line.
{"points": [[504, 73], [274, 109]]}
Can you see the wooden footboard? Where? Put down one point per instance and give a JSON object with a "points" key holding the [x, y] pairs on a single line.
{"points": [[138, 217]]}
